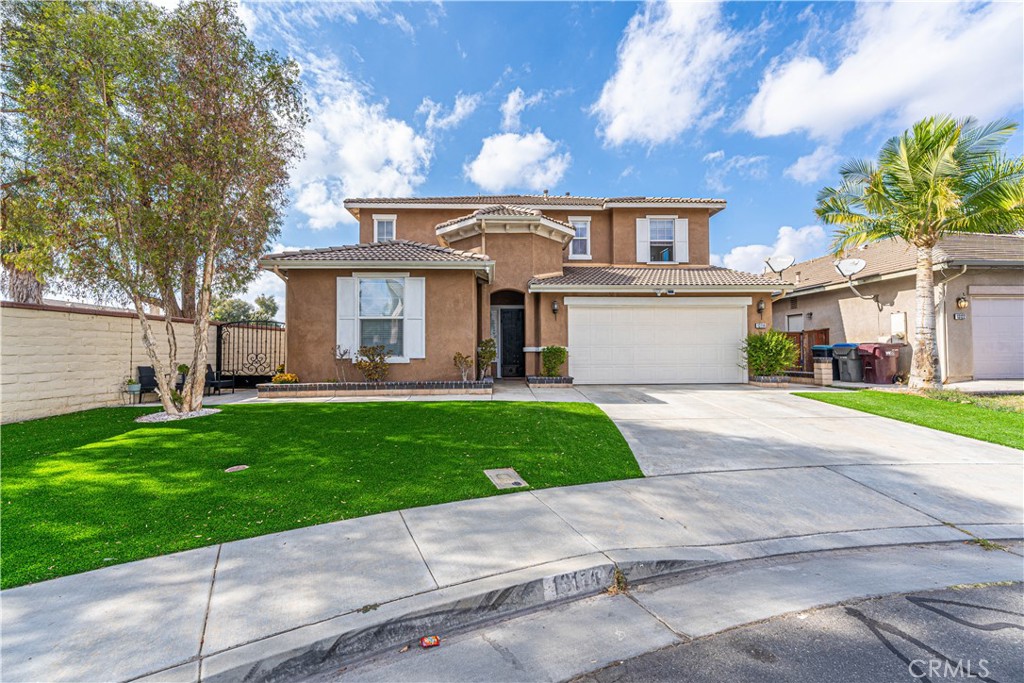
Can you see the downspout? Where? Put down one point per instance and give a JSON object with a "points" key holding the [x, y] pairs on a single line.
{"points": [[941, 311]]}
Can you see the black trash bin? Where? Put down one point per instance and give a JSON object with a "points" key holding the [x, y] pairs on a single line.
{"points": [[825, 351], [851, 369]]}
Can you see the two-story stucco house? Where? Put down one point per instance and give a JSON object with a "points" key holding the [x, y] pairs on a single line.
{"points": [[625, 283]]}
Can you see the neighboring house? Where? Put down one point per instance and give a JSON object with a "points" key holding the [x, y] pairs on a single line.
{"points": [[979, 297], [625, 283]]}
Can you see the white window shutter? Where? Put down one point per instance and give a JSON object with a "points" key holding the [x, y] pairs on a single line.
{"points": [[415, 317], [347, 302], [682, 246], [643, 240]]}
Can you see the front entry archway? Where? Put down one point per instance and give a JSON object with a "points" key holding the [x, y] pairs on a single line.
{"points": [[508, 327]]}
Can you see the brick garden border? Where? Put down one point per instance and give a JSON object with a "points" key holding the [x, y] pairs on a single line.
{"points": [[538, 382], [330, 389]]}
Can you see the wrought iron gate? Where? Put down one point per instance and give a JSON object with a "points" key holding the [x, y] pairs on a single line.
{"points": [[250, 350]]}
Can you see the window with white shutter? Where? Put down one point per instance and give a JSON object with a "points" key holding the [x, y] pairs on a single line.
{"points": [[682, 240], [662, 237], [643, 243]]}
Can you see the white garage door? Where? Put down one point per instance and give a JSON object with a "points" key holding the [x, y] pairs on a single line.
{"points": [[998, 325], [656, 341]]}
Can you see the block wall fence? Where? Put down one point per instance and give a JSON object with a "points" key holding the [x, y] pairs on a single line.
{"points": [[60, 359]]}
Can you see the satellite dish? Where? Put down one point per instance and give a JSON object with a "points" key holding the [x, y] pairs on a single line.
{"points": [[849, 267], [780, 263]]}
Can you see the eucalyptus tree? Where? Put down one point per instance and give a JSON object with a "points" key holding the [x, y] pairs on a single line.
{"points": [[163, 142], [942, 176]]}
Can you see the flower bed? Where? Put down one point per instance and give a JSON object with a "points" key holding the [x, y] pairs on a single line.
{"points": [[329, 389]]}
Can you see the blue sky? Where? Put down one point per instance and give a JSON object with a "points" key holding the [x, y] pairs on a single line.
{"points": [[754, 102]]}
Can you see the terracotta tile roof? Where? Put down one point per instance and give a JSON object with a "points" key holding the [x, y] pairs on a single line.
{"points": [[503, 210], [894, 256], [396, 250], [529, 200], [654, 276], [485, 200], [663, 200]]}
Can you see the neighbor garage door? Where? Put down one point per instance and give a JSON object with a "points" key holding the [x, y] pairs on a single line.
{"points": [[656, 341], [998, 328]]}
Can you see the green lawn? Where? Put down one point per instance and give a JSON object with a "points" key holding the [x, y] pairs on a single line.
{"points": [[978, 420], [93, 489]]}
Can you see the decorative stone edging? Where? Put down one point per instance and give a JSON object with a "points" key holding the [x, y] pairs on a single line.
{"points": [[770, 382], [539, 382], [329, 389]]}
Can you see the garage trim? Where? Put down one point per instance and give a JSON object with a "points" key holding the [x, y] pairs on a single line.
{"points": [[713, 301]]}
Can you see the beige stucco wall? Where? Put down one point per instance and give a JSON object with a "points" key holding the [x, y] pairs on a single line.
{"points": [[55, 361], [450, 320], [613, 231], [624, 234], [851, 319]]}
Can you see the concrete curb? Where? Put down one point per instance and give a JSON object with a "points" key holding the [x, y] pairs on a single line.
{"points": [[349, 638]]}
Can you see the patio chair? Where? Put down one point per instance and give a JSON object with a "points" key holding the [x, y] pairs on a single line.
{"points": [[214, 383], [147, 380]]}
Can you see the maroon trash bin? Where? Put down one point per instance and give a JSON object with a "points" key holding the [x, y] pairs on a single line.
{"points": [[881, 362]]}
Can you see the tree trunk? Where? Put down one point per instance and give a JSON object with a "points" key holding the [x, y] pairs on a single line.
{"points": [[924, 369], [22, 286], [193, 394], [163, 371]]}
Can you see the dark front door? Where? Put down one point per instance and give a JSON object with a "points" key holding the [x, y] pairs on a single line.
{"points": [[513, 336]]}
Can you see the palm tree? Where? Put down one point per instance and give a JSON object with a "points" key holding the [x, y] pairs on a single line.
{"points": [[943, 176]]}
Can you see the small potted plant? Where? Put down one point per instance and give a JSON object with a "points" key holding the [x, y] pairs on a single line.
{"points": [[131, 385]]}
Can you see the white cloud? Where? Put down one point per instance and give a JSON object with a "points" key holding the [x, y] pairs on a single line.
{"points": [[512, 160], [902, 61], [514, 105], [720, 168], [814, 166], [437, 119], [353, 148], [671, 64], [801, 243]]}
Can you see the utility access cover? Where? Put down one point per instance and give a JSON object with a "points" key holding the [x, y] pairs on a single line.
{"points": [[506, 478]]}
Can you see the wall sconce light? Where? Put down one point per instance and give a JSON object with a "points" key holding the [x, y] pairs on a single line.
{"points": [[760, 308], [554, 306], [962, 302], [810, 315]]}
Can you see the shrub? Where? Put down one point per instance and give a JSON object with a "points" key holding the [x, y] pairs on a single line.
{"points": [[340, 358], [552, 358], [373, 363], [182, 369], [769, 354], [463, 363], [486, 352], [285, 378]]}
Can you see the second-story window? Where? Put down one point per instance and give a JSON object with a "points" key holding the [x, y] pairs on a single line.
{"points": [[580, 246], [663, 237], [383, 228]]}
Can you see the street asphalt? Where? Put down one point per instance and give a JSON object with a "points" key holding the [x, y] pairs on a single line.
{"points": [[967, 633]]}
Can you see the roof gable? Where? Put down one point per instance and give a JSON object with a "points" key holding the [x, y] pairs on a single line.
{"points": [[886, 257]]}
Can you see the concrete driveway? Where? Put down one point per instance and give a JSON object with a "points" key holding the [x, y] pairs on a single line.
{"points": [[713, 428]]}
